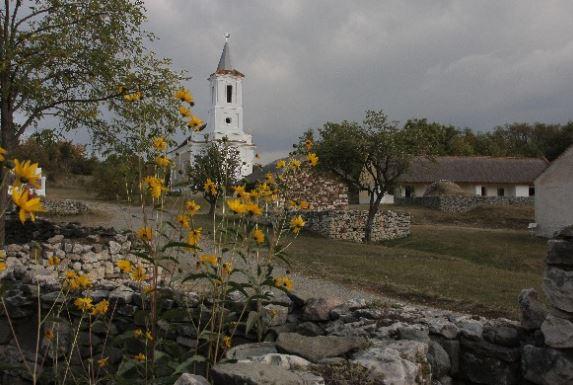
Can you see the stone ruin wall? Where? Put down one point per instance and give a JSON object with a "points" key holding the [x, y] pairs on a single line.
{"points": [[461, 204], [349, 224]]}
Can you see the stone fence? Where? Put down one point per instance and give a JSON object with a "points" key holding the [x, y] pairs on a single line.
{"points": [[349, 224], [65, 207], [462, 204], [306, 340]]}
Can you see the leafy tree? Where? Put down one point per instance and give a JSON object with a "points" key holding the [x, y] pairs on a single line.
{"points": [[218, 162], [73, 60], [370, 156]]}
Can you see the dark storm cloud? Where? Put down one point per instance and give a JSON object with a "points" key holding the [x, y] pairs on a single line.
{"points": [[471, 63]]}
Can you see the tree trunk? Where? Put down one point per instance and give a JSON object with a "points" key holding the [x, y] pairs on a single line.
{"points": [[7, 141], [373, 208]]}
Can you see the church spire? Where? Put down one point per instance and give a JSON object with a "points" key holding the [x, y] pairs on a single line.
{"points": [[225, 60]]}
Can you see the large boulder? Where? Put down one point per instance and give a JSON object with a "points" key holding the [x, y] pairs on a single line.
{"points": [[320, 347], [558, 286], [252, 373], [558, 332], [439, 360], [191, 379], [546, 366]]}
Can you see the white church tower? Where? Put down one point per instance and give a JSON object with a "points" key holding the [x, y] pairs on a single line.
{"points": [[225, 119]]}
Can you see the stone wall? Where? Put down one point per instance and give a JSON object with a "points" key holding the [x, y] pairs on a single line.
{"points": [[349, 224], [65, 207], [323, 190], [461, 204]]}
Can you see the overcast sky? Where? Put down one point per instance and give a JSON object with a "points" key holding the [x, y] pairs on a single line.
{"points": [[471, 63]]}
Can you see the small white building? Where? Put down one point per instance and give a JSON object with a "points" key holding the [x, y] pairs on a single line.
{"points": [[477, 175], [225, 119], [554, 196]]}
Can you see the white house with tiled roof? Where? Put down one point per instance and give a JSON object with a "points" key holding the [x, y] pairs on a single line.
{"points": [[225, 120]]}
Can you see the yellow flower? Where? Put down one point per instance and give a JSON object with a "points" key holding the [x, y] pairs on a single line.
{"points": [[124, 265], [27, 207], [102, 362], [304, 205], [293, 204], [159, 143], [184, 111], [312, 159], [134, 97], [138, 274], [258, 236], [192, 207], [155, 186], [194, 236], [84, 304], [70, 280], [140, 357], [227, 268], [163, 161], [209, 259], [195, 123], [145, 233], [227, 342], [281, 164], [183, 221], [138, 333], [284, 282], [2, 154], [53, 261], [308, 144], [254, 209], [237, 206], [101, 308], [269, 177], [239, 190], [184, 96], [296, 224], [210, 187], [294, 164], [83, 281], [148, 289], [148, 335], [3, 266]]}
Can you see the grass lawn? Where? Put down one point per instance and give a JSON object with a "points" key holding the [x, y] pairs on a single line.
{"points": [[469, 269]]}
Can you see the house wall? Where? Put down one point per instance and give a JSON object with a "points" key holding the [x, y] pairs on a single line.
{"points": [[554, 197], [364, 198]]}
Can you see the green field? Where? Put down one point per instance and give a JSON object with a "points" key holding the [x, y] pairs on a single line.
{"points": [[470, 269]]}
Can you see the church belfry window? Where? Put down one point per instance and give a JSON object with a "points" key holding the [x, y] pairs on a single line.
{"points": [[229, 93]]}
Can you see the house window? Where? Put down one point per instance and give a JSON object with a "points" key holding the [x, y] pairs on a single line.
{"points": [[229, 94], [531, 191], [409, 191], [212, 95], [500, 192], [483, 191], [228, 120]]}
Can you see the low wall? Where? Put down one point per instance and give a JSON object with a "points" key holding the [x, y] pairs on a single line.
{"points": [[349, 224], [461, 204], [65, 207]]}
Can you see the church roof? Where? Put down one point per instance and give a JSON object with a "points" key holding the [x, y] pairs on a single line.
{"points": [[225, 67]]}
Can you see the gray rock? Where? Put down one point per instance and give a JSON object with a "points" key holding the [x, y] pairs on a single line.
{"points": [[317, 348], [483, 348], [558, 286], [452, 347], [114, 247], [275, 315], [309, 329], [560, 252], [247, 351], [546, 366], [533, 312], [285, 361], [558, 332], [399, 363], [5, 332], [191, 379], [414, 332], [443, 327], [318, 309], [439, 360], [243, 373], [470, 328], [58, 238], [122, 294], [502, 335]]}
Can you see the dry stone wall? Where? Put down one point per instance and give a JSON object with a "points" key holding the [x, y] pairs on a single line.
{"points": [[349, 224], [323, 190], [462, 204]]}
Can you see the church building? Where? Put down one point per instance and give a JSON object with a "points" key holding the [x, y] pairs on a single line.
{"points": [[225, 120]]}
